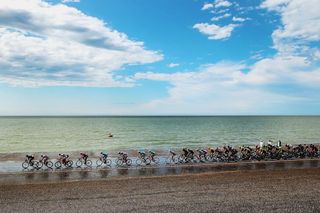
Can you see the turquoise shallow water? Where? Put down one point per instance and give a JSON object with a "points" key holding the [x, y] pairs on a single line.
{"points": [[53, 134]]}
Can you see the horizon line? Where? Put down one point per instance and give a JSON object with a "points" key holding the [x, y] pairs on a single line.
{"points": [[169, 115]]}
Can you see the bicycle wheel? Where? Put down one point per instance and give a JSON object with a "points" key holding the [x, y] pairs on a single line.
{"points": [[129, 162], [174, 160], [181, 159], [119, 162], [108, 162], [49, 164], [25, 165], [79, 163], [147, 161], [69, 163], [39, 165], [156, 160], [57, 165], [36, 165], [99, 162], [203, 158], [89, 163], [138, 162]]}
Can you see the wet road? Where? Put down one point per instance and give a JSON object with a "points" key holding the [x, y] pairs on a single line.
{"points": [[12, 173]]}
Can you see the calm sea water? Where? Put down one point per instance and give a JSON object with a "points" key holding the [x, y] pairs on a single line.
{"points": [[37, 134]]}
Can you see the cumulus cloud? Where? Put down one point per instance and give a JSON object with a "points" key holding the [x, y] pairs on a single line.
{"points": [[236, 88], [282, 80], [215, 32], [300, 25], [45, 44]]}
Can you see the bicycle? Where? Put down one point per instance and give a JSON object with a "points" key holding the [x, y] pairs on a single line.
{"points": [[122, 159], [173, 158], [82, 161], [33, 163], [154, 159], [66, 163], [46, 163], [103, 160], [142, 159], [202, 155], [186, 159]]}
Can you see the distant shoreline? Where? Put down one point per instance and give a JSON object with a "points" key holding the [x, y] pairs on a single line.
{"points": [[157, 116]]}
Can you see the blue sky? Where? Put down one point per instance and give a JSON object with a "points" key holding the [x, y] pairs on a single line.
{"points": [[160, 57]]}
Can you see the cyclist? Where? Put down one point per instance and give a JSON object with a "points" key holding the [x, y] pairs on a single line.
{"points": [[173, 154], [191, 153], [203, 153], [142, 154], [44, 159], [152, 154], [30, 158], [124, 156], [63, 158], [185, 152], [104, 155], [84, 156]]}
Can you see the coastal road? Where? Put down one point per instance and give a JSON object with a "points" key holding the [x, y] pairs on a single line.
{"points": [[19, 176], [286, 190]]}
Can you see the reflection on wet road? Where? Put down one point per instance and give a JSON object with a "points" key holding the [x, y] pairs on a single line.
{"points": [[102, 173]]}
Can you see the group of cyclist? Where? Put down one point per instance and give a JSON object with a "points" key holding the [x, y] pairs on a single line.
{"points": [[259, 152], [219, 154]]}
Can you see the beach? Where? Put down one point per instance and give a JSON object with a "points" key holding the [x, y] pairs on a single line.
{"points": [[286, 190]]}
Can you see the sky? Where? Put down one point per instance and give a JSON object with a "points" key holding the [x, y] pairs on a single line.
{"points": [[159, 57]]}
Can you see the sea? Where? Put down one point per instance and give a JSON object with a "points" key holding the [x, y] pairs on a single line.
{"points": [[62, 134]]}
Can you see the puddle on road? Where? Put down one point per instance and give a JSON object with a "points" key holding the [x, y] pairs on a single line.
{"points": [[29, 176]]}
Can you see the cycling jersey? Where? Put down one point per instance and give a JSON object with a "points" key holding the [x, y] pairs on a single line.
{"points": [[105, 155]]}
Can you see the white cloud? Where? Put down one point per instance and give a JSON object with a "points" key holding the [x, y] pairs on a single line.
{"points": [[300, 25], [222, 3], [216, 4], [227, 88], [215, 32], [220, 11], [275, 4], [217, 18], [239, 19], [301, 19], [171, 65], [67, 1], [43, 44], [207, 6], [271, 85]]}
